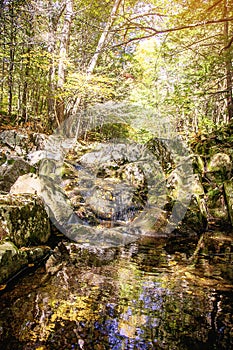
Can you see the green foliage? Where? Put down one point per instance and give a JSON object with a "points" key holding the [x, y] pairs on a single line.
{"points": [[180, 74]]}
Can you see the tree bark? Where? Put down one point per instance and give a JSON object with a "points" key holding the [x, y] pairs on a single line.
{"points": [[11, 60], [103, 37], [25, 87], [63, 54], [64, 43], [228, 65], [52, 24]]}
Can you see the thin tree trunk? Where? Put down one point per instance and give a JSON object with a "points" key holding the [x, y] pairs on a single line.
{"points": [[2, 82], [103, 37], [52, 24], [228, 64], [25, 87], [93, 62], [3, 72], [11, 64], [63, 54], [64, 43]]}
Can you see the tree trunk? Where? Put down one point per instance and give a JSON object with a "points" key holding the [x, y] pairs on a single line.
{"points": [[103, 37], [25, 87], [64, 43], [51, 78], [228, 64], [11, 61], [63, 54]]}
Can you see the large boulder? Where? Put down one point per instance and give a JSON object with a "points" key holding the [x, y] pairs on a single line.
{"points": [[11, 170], [54, 199], [24, 219], [15, 141], [24, 226], [219, 167], [195, 218], [14, 155], [20, 142]]}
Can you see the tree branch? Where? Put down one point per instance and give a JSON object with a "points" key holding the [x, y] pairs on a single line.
{"points": [[228, 45], [215, 4], [155, 31]]}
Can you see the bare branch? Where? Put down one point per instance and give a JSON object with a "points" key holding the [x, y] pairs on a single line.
{"points": [[214, 5], [145, 14], [154, 31]]}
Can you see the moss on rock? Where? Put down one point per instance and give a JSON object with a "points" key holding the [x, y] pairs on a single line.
{"points": [[24, 219], [11, 260]]}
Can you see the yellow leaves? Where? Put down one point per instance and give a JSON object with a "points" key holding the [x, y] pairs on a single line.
{"points": [[129, 327], [77, 308], [2, 286], [72, 311], [188, 275], [96, 87], [189, 292], [172, 263]]}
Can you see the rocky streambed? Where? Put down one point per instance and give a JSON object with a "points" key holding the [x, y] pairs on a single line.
{"points": [[105, 194]]}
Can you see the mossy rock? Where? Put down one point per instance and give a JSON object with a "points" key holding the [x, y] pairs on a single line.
{"points": [[24, 219], [11, 260], [219, 168]]}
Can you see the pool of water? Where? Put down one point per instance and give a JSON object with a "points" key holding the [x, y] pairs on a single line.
{"points": [[154, 294]]}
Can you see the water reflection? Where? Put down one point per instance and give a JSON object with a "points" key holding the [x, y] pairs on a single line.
{"points": [[149, 296]]}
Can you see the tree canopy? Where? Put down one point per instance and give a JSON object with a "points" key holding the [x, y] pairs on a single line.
{"points": [[60, 56]]}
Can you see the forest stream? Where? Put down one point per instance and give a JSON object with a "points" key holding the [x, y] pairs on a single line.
{"points": [[153, 294], [134, 265], [116, 175]]}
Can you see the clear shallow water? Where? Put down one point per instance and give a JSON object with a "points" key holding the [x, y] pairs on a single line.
{"points": [[155, 294]]}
